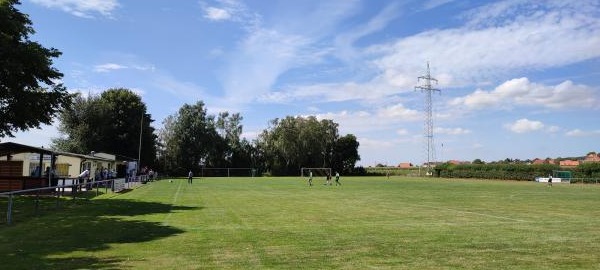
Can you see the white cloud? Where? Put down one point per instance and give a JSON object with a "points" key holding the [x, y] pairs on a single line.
{"points": [[388, 124], [108, 67], [452, 131], [231, 10], [581, 133], [357, 121], [552, 36], [553, 129], [402, 132], [399, 112], [113, 66], [216, 14], [522, 92], [82, 8], [524, 125]]}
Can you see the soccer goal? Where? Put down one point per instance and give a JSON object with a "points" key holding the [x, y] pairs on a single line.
{"points": [[304, 172], [228, 172]]}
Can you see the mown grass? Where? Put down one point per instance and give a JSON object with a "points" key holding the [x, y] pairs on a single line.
{"points": [[281, 223]]}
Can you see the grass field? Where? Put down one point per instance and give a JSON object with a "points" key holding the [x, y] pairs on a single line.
{"points": [[281, 223]]}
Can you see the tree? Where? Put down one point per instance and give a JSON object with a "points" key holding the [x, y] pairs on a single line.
{"points": [[166, 139], [478, 161], [29, 92], [193, 140], [230, 129], [109, 123], [346, 153]]}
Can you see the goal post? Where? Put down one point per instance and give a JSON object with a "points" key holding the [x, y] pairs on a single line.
{"points": [[228, 172], [304, 172]]}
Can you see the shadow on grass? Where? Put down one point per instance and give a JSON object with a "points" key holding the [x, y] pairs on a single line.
{"points": [[46, 242]]}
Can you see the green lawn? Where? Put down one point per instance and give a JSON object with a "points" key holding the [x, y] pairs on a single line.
{"points": [[281, 223]]}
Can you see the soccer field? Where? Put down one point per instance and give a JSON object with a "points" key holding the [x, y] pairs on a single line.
{"points": [[281, 223]]}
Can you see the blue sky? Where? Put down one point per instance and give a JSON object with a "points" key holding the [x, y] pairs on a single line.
{"points": [[518, 79]]}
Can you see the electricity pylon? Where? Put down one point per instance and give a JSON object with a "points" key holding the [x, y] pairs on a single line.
{"points": [[427, 88]]}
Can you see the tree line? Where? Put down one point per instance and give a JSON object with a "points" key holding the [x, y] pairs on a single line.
{"points": [[191, 139]]}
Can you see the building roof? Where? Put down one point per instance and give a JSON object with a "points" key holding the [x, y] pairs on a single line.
{"points": [[569, 162], [9, 148]]}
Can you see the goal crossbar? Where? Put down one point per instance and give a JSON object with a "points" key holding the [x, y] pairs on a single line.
{"points": [[304, 172], [227, 172]]}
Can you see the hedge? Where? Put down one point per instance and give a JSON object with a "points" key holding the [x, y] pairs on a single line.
{"points": [[522, 172]]}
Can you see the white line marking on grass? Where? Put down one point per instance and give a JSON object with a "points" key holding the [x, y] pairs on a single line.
{"points": [[470, 212], [166, 221]]}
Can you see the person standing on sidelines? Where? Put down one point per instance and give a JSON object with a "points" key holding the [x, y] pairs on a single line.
{"points": [[309, 177], [337, 179], [190, 177]]}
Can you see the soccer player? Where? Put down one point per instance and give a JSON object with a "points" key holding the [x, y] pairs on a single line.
{"points": [[328, 177], [190, 177], [550, 180], [337, 179], [310, 177]]}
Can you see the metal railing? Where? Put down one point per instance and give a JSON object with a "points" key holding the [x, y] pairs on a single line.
{"points": [[60, 190]]}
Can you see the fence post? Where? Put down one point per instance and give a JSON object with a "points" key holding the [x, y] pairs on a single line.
{"points": [[57, 197], [37, 203], [9, 211]]}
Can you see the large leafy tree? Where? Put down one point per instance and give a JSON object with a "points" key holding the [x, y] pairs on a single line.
{"points": [[166, 145], [346, 153], [113, 122], [191, 139], [29, 92], [295, 142], [238, 152]]}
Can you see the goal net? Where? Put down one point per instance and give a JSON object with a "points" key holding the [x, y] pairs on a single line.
{"points": [[317, 172]]}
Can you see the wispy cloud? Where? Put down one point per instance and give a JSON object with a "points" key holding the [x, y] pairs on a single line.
{"points": [[344, 42], [266, 52], [583, 133], [430, 4], [481, 49], [184, 89], [82, 8], [107, 67], [474, 54]]}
